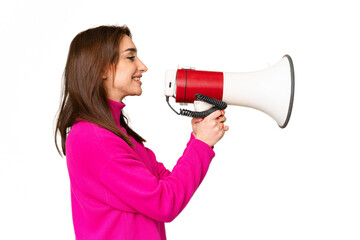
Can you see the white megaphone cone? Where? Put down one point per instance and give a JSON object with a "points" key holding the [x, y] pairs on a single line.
{"points": [[270, 90]]}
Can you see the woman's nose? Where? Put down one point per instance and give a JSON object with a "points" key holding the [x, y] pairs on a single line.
{"points": [[142, 67]]}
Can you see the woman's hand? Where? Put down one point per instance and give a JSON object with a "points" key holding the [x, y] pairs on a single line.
{"points": [[210, 129]]}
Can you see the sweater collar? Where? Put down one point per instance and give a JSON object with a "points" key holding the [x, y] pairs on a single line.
{"points": [[115, 108]]}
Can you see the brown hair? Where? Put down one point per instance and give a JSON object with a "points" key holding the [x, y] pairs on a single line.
{"points": [[84, 97]]}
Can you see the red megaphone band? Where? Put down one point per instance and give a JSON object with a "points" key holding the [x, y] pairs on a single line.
{"points": [[190, 82]]}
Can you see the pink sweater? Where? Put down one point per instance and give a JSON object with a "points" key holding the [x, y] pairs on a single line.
{"points": [[122, 192]]}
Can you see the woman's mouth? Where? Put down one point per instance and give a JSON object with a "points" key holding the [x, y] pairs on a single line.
{"points": [[137, 79]]}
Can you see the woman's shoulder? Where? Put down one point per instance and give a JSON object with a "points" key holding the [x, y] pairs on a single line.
{"points": [[87, 131], [84, 130], [93, 136]]}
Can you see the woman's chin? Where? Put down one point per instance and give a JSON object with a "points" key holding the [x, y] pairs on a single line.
{"points": [[138, 93]]}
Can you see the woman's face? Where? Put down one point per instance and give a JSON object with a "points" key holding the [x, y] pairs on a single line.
{"points": [[125, 81]]}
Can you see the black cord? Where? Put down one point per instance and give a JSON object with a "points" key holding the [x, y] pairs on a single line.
{"points": [[218, 105], [167, 100]]}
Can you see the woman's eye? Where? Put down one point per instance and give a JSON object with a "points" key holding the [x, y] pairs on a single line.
{"points": [[131, 58]]}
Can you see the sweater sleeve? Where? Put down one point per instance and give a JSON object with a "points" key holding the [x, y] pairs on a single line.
{"points": [[127, 180], [162, 171]]}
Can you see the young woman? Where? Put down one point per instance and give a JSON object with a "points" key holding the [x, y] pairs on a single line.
{"points": [[118, 189]]}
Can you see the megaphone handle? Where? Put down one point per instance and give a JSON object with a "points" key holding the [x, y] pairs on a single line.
{"points": [[217, 105], [200, 106], [203, 114]]}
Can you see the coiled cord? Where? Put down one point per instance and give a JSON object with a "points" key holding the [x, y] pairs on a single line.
{"points": [[203, 114], [218, 105]]}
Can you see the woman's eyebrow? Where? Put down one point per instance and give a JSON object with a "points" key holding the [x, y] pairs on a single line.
{"points": [[131, 50]]}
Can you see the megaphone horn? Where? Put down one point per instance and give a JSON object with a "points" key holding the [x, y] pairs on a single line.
{"points": [[270, 90]]}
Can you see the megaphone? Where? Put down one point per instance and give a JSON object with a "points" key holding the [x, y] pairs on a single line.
{"points": [[270, 90]]}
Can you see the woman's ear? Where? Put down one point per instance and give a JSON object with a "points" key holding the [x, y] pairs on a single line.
{"points": [[108, 72], [105, 74]]}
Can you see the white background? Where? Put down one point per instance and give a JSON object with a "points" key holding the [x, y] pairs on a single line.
{"points": [[301, 182]]}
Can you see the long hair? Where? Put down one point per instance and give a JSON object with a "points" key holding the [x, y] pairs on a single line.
{"points": [[84, 97]]}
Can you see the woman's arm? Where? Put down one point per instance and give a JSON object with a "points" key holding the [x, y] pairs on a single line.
{"points": [[162, 171], [128, 181]]}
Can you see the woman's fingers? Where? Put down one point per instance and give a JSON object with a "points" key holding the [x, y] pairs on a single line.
{"points": [[210, 129], [216, 114], [221, 119]]}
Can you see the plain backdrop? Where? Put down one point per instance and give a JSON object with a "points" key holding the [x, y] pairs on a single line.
{"points": [[301, 182]]}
